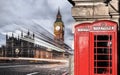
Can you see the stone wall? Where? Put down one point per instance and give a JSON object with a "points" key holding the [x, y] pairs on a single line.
{"points": [[92, 10]]}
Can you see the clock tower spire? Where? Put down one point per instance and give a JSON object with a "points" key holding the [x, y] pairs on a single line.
{"points": [[59, 28]]}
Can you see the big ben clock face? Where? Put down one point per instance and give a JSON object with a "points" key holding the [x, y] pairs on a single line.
{"points": [[57, 28]]}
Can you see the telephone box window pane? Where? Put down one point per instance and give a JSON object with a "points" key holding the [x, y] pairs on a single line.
{"points": [[102, 63], [102, 44], [102, 57], [101, 70], [110, 37], [102, 37], [110, 57], [102, 50]]}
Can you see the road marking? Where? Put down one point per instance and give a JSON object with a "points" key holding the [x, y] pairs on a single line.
{"points": [[12, 66], [32, 73]]}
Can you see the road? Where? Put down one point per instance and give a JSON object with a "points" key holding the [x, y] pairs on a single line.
{"points": [[33, 69]]}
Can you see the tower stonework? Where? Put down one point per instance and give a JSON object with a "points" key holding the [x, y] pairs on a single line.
{"points": [[59, 28]]}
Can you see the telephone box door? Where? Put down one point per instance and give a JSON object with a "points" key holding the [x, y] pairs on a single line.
{"points": [[81, 53], [103, 53]]}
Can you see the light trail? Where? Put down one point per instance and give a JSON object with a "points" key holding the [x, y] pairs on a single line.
{"points": [[38, 59], [32, 73]]}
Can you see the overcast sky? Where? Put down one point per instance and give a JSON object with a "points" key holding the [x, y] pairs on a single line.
{"points": [[31, 12]]}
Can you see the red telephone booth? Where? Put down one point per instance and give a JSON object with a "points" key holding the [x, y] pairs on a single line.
{"points": [[95, 48]]}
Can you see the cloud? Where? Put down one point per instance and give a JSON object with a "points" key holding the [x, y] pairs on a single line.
{"points": [[32, 12]]}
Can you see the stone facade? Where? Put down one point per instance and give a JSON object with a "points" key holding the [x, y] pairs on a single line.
{"points": [[92, 10]]}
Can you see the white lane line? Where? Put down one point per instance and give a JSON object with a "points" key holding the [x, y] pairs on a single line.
{"points": [[32, 73], [12, 66]]}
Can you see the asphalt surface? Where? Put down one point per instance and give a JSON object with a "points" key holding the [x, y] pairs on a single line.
{"points": [[33, 69]]}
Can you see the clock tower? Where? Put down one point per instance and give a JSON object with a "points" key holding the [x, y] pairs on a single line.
{"points": [[58, 28]]}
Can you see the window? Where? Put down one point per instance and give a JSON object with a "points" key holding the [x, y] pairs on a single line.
{"points": [[102, 54]]}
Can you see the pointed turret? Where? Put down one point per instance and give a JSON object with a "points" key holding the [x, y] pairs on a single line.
{"points": [[12, 35], [33, 35], [21, 33], [18, 37], [6, 36], [58, 16], [28, 33]]}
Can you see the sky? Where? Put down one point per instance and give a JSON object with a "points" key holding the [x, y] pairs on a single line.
{"points": [[27, 13]]}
